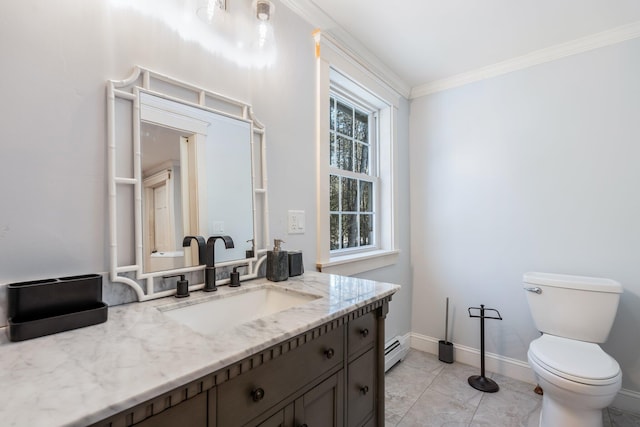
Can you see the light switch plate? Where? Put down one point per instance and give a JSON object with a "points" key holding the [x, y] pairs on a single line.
{"points": [[218, 227], [296, 222]]}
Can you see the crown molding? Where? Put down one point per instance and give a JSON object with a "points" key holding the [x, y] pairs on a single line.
{"points": [[583, 44], [340, 38]]}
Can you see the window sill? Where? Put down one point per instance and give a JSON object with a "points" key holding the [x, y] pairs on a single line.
{"points": [[348, 265]]}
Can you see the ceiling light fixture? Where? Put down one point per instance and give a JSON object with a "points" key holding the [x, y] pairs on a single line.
{"points": [[209, 9], [264, 9], [243, 28]]}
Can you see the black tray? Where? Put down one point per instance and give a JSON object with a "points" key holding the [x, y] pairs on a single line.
{"points": [[21, 329], [53, 297], [45, 307]]}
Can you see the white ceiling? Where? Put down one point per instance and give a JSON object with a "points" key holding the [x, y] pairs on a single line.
{"points": [[423, 41]]}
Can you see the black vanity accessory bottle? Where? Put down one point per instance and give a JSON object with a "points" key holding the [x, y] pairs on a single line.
{"points": [[296, 268], [249, 253], [277, 263]]}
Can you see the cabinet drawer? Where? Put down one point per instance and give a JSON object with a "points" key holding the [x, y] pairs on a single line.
{"points": [[362, 333], [248, 395], [361, 389], [192, 413]]}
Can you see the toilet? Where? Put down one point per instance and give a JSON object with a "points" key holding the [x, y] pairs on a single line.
{"points": [[574, 314]]}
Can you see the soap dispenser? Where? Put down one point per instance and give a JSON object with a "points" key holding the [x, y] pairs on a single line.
{"points": [[277, 263]]}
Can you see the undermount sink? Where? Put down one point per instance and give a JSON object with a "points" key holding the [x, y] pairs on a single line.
{"points": [[243, 306]]}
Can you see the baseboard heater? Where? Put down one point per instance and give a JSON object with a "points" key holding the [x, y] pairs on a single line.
{"points": [[394, 351]]}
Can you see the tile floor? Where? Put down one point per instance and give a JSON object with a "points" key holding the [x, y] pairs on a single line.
{"points": [[422, 391]]}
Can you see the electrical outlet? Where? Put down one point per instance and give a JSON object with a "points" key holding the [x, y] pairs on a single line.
{"points": [[296, 222]]}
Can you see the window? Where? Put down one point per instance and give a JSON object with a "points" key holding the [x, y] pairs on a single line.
{"points": [[356, 130], [352, 176]]}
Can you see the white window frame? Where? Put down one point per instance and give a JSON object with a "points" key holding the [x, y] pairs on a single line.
{"points": [[345, 97], [337, 70]]}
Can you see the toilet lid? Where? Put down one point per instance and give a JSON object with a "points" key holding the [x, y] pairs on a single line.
{"points": [[574, 360]]}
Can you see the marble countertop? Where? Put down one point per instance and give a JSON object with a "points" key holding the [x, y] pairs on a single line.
{"points": [[82, 376]]}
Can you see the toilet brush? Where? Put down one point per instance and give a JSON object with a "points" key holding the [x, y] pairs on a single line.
{"points": [[445, 348]]}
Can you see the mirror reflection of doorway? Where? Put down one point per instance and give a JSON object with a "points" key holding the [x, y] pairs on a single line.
{"points": [[159, 223], [161, 198], [159, 230], [210, 191]]}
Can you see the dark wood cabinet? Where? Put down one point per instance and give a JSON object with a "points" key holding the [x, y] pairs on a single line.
{"points": [[361, 389], [192, 413], [329, 376], [245, 397], [322, 406], [362, 333], [282, 418]]}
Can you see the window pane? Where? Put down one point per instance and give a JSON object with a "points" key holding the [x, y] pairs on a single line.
{"points": [[344, 119], [362, 158], [344, 154], [366, 230], [362, 127], [332, 114], [334, 242], [366, 196], [349, 231], [351, 198], [349, 195], [333, 150], [334, 193]]}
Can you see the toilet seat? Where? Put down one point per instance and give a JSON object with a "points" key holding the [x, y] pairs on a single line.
{"points": [[573, 360]]}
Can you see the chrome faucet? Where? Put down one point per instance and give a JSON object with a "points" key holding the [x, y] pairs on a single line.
{"points": [[210, 269]]}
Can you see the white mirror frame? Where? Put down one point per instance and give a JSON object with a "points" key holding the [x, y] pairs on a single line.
{"points": [[147, 81]]}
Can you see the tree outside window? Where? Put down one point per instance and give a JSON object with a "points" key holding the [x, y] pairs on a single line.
{"points": [[351, 180]]}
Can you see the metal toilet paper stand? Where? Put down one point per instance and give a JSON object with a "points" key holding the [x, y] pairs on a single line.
{"points": [[480, 382]]}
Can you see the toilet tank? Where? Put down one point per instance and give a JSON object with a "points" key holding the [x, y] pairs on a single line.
{"points": [[576, 307]]}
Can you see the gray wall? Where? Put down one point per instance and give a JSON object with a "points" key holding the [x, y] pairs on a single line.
{"points": [[56, 59], [536, 170]]}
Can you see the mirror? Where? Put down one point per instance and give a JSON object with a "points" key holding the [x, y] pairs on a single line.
{"points": [[209, 153], [182, 161], [162, 202]]}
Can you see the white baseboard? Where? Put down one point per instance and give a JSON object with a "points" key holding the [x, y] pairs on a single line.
{"points": [[506, 366], [626, 400]]}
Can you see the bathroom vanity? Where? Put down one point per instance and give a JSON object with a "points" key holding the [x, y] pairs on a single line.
{"points": [[317, 363], [305, 351]]}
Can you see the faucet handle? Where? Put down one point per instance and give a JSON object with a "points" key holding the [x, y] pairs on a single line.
{"points": [[182, 286], [234, 277]]}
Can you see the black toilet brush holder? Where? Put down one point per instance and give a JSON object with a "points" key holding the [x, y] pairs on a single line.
{"points": [[445, 348], [480, 382]]}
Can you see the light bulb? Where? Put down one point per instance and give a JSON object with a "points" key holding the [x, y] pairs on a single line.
{"points": [[263, 33], [263, 10]]}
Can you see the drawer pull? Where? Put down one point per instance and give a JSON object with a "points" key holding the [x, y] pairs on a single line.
{"points": [[304, 425], [364, 332], [364, 390], [330, 353], [257, 394]]}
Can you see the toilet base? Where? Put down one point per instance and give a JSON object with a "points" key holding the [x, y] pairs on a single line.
{"points": [[567, 403], [556, 415]]}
